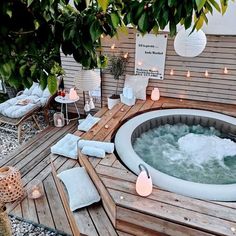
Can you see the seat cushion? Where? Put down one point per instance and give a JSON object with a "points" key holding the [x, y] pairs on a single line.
{"points": [[12, 110], [67, 146], [80, 188]]}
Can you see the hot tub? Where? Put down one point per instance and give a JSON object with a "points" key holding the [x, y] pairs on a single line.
{"points": [[132, 129]]}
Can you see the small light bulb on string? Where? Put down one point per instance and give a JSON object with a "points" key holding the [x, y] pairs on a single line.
{"points": [[140, 63], [206, 74], [171, 72], [102, 36], [225, 70], [113, 46], [188, 75], [126, 55]]}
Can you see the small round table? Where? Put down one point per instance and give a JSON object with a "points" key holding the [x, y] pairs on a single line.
{"points": [[66, 101]]}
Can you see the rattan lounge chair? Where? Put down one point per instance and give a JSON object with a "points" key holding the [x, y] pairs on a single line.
{"points": [[31, 114]]}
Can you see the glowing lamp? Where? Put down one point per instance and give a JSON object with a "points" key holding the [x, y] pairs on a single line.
{"points": [[73, 94], [11, 186], [144, 182], [155, 96]]}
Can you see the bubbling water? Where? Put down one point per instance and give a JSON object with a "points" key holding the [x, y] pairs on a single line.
{"points": [[193, 153]]}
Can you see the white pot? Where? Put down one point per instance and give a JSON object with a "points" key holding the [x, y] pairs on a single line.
{"points": [[111, 102]]}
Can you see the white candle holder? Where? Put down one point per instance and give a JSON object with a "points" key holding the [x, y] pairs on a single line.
{"points": [[35, 189]]}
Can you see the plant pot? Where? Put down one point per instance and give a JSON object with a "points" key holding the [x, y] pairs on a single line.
{"points": [[112, 101]]}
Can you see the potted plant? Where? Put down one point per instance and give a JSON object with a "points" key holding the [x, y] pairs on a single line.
{"points": [[117, 68]]}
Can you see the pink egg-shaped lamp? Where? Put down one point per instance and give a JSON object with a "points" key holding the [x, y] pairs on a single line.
{"points": [[144, 182]]}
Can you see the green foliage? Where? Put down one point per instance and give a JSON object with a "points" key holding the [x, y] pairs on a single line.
{"points": [[117, 67], [34, 31]]}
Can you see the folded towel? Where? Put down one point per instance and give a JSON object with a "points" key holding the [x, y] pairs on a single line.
{"points": [[67, 146], [107, 147], [93, 151], [88, 123]]}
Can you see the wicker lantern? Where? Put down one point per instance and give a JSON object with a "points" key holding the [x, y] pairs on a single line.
{"points": [[11, 187]]}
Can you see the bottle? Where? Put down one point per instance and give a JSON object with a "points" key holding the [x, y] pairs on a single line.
{"points": [[86, 107], [91, 103], [61, 84]]}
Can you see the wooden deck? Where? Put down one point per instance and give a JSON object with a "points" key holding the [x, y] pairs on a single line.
{"points": [[162, 213]]}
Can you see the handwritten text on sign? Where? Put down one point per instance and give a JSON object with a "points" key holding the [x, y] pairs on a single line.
{"points": [[150, 55]]}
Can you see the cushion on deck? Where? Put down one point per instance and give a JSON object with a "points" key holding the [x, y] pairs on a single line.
{"points": [[80, 188], [138, 84], [88, 123], [67, 146]]}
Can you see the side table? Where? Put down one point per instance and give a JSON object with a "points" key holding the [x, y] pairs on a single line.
{"points": [[65, 101]]}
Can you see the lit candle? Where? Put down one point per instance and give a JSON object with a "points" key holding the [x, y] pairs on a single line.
{"points": [[206, 73], [36, 193], [171, 72], [59, 122]]}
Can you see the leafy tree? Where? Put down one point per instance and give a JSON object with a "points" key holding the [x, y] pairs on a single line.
{"points": [[33, 31]]}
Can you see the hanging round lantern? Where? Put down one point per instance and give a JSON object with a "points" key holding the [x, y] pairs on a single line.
{"points": [[11, 187], [189, 44], [144, 182]]}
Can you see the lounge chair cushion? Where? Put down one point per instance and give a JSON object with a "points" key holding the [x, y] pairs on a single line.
{"points": [[34, 94], [67, 146], [80, 188], [138, 84], [12, 110]]}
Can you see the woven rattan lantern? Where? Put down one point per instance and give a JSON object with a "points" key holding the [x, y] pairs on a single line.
{"points": [[11, 187]]}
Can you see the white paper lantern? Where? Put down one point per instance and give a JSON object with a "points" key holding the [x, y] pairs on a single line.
{"points": [[87, 80], [190, 45]]}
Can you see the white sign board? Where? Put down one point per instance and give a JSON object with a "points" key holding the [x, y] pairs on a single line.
{"points": [[150, 55]]}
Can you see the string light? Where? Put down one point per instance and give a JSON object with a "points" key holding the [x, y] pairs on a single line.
{"points": [[102, 36], [206, 73], [171, 72], [225, 70], [188, 75], [140, 63], [126, 55], [113, 46]]}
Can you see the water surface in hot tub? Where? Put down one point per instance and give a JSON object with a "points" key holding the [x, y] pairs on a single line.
{"points": [[189, 152]]}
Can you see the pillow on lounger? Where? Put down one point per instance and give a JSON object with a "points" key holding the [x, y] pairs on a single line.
{"points": [[80, 188], [88, 123], [67, 146]]}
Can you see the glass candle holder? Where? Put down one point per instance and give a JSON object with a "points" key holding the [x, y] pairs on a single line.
{"points": [[35, 189], [59, 120]]}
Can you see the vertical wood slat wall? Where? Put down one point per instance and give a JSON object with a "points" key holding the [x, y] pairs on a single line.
{"points": [[220, 52]]}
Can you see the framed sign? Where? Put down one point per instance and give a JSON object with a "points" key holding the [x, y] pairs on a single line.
{"points": [[150, 55]]}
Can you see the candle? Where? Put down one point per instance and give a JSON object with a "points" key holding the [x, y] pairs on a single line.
{"points": [[35, 193], [59, 122]]}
